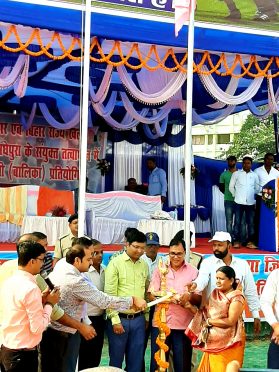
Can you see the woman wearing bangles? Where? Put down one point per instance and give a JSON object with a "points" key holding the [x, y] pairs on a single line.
{"points": [[218, 329]]}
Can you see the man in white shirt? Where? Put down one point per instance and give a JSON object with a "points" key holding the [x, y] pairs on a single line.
{"points": [[265, 173], [221, 256], [270, 307], [96, 275], [244, 185]]}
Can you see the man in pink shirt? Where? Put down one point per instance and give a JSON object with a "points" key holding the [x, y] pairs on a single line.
{"points": [[26, 313], [179, 275]]}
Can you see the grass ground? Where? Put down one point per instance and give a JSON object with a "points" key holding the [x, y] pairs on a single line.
{"points": [[255, 354]]}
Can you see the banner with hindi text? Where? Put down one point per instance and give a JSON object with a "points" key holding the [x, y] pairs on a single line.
{"points": [[47, 156]]}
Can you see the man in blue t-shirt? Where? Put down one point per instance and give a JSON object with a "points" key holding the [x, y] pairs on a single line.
{"points": [[157, 183]]}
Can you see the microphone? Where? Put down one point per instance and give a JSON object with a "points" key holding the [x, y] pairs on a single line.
{"points": [[44, 275]]}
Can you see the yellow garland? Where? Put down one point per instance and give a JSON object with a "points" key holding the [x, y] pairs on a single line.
{"points": [[153, 55], [166, 330]]}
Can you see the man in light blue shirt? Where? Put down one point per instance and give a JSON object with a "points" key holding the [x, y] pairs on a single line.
{"points": [[157, 183]]}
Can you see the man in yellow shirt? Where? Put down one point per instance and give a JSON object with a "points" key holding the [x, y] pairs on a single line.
{"points": [[127, 275]]}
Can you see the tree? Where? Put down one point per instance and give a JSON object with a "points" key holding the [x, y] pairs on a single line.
{"points": [[255, 138]]}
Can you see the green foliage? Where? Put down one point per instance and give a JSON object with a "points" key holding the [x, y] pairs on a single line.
{"points": [[255, 138]]}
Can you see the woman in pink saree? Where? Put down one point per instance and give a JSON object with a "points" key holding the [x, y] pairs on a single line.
{"points": [[218, 329]]}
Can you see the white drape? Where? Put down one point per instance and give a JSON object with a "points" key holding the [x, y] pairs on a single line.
{"points": [[127, 163], [218, 211], [175, 179]]}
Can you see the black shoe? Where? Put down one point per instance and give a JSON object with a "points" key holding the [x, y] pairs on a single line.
{"points": [[234, 15]]}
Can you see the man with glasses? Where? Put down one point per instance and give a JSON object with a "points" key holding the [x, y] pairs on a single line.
{"points": [[26, 313], [180, 273], [127, 275]]}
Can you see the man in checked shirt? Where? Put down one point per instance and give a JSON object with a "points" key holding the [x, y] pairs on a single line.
{"points": [[75, 290]]}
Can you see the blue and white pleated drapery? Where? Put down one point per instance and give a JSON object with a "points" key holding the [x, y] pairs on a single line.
{"points": [[130, 161]]}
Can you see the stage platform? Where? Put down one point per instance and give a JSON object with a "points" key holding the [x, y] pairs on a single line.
{"points": [[203, 247]]}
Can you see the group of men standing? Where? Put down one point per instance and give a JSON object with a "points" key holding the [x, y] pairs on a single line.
{"points": [[242, 198]]}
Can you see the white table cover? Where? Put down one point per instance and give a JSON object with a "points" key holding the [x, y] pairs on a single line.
{"points": [[9, 232], [202, 226], [109, 231], [53, 227], [165, 229], [123, 205]]}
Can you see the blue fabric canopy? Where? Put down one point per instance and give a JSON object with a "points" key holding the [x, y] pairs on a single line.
{"points": [[132, 28], [57, 82]]}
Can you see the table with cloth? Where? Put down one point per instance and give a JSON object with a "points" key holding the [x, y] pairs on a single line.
{"points": [[113, 212], [199, 215], [53, 227], [166, 229]]}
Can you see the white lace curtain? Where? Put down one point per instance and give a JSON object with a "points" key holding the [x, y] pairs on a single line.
{"points": [[127, 164], [218, 222], [175, 179]]}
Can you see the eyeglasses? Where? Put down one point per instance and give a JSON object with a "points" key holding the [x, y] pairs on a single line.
{"points": [[137, 247], [176, 254], [41, 259]]}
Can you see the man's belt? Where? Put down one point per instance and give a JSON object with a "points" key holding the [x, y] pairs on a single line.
{"points": [[130, 316]]}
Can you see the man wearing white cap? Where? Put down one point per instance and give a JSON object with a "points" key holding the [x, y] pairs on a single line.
{"points": [[221, 256]]}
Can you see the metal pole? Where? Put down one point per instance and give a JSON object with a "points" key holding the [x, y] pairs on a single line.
{"points": [[84, 119], [188, 131], [275, 121]]}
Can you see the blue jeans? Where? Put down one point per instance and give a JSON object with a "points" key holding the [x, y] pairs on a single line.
{"points": [[72, 353], [273, 356], [229, 213], [250, 215], [129, 344], [181, 347]]}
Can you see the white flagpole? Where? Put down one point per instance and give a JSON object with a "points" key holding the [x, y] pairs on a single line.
{"points": [[188, 130], [84, 119]]}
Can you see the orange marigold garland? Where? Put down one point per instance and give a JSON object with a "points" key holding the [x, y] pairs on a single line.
{"points": [[163, 328], [252, 69]]}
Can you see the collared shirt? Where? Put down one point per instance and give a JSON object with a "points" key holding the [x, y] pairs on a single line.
{"points": [[24, 317], [177, 316], [9, 268], [265, 177], [75, 290], [98, 279], [157, 183], [125, 278], [225, 178], [151, 264], [244, 186], [270, 298], [62, 245], [207, 279]]}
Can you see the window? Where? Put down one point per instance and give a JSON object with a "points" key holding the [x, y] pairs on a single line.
{"points": [[223, 138], [198, 140], [210, 139]]}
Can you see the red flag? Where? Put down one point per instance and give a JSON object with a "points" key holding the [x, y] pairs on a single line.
{"points": [[182, 12]]}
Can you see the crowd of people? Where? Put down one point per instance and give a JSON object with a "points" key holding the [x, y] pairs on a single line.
{"points": [[242, 198], [56, 310], [56, 319]]}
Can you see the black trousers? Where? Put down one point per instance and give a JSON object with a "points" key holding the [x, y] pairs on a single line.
{"points": [[53, 349], [90, 352], [19, 360]]}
